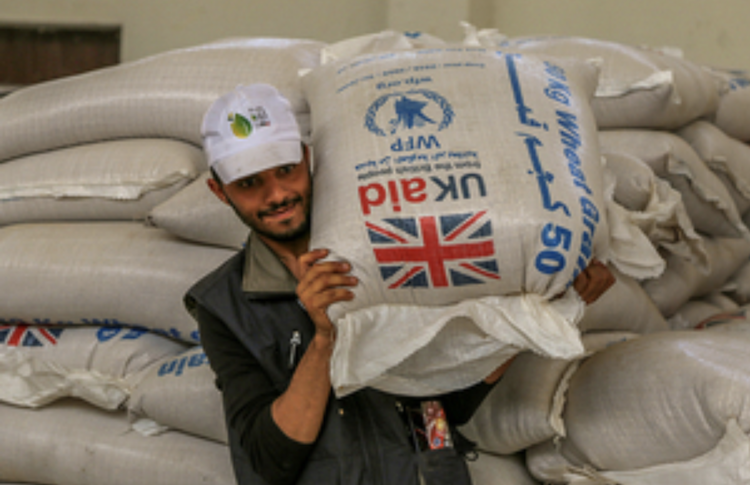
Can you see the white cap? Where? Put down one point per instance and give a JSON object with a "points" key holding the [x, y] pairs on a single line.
{"points": [[249, 130]]}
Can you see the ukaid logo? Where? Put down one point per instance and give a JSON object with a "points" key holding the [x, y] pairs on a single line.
{"points": [[435, 251], [29, 336]]}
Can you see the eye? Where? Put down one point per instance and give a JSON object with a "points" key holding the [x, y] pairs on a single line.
{"points": [[285, 169], [248, 182]]}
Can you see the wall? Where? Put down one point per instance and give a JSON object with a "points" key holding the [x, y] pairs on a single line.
{"points": [[712, 33], [152, 26]]}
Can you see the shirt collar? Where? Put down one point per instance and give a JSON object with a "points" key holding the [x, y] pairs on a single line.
{"points": [[264, 274]]}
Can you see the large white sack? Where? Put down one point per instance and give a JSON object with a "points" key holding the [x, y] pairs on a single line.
{"points": [[179, 392], [696, 312], [525, 407], [492, 469], [706, 199], [735, 320], [682, 281], [727, 157], [121, 179], [463, 145], [738, 285], [725, 464], [518, 411], [384, 41], [639, 87], [655, 207], [729, 320], [196, 214], [101, 273], [734, 104], [41, 363], [71, 443], [672, 404], [165, 95], [624, 307]]}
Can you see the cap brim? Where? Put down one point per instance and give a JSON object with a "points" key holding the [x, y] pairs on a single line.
{"points": [[257, 159]]}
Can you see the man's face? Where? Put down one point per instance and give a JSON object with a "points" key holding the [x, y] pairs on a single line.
{"points": [[274, 203]]}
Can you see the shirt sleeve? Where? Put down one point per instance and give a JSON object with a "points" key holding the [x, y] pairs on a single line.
{"points": [[247, 395]]}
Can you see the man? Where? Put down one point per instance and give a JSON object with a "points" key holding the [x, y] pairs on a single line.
{"points": [[264, 327]]}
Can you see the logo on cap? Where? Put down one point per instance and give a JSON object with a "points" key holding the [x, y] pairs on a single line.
{"points": [[243, 127]]}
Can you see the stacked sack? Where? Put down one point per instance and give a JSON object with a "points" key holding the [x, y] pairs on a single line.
{"points": [[648, 404], [101, 373]]}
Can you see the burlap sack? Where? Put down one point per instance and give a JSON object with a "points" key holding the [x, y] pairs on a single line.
{"points": [[453, 180], [666, 408], [639, 87], [72, 443], [730, 320], [196, 214], [726, 463], [624, 307], [491, 469], [378, 42], [525, 407], [738, 285], [682, 281], [697, 311], [734, 104], [706, 199], [101, 273], [179, 392], [41, 363], [518, 412], [655, 207], [113, 180], [165, 95], [727, 157]]}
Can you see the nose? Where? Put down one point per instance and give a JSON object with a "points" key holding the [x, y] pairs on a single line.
{"points": [[274, 191]]}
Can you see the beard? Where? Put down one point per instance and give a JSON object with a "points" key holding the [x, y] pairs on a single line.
{"points": [[291, 233]]}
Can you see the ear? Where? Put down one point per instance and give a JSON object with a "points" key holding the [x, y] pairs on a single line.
{"points": [[217, 189], [306, 157]]}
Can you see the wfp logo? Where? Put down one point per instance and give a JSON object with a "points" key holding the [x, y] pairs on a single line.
{"points": [[418, 109]]}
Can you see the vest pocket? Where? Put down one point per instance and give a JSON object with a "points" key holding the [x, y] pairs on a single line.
{"points": [[443, 467]]}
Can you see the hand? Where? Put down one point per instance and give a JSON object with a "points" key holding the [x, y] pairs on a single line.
{"points": [[498, 373], [593, 281], [321, 285]]}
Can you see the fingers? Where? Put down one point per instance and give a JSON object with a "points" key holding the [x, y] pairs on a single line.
{"points": [[320, 276], [322, 284], [307, 260], [594, 281]]}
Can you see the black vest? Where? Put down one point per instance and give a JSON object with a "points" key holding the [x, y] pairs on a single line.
{"points": [[363, 440]]}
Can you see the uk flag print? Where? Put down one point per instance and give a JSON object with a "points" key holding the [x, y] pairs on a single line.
{"points": [[435, 251], [28, 336]]}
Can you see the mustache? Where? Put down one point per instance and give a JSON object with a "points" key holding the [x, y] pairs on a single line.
{"points": [[279, 205]]}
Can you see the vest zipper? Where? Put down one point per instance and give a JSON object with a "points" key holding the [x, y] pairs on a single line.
{"points": [[294, 344]]}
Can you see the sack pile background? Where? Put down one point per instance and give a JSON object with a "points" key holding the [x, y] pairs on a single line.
{"points": [[105, 221]]}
